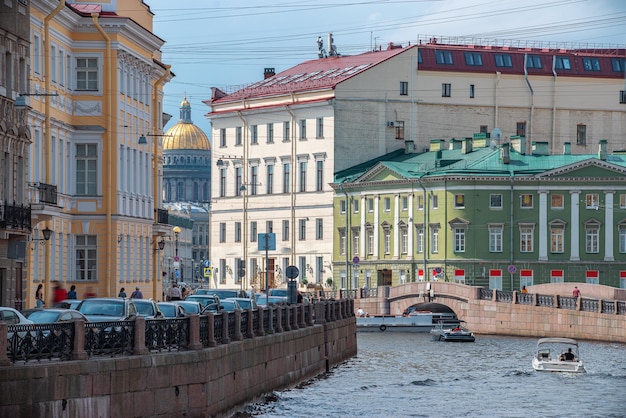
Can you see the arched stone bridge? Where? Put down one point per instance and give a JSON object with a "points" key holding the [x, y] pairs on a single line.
{"points": [[546, 310]]}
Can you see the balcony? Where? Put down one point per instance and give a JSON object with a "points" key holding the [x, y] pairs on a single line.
{"points": [[15, 217], [162, 216], [161, 227], [47, 193], [44, 201]]}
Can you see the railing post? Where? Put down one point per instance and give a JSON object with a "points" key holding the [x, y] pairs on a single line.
{"points": [[277, 309], [78, 350], [140, 336], [270, 320], [320, 312], [494, 295], [225, 336], [238, 335], [4, 340], [250, 330], [194, 333], [287, 324], [302, 308], [260, 318], [211, 330]]}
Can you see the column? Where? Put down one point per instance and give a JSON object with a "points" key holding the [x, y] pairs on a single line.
{"points": [[411, 228], [609, 226], [361, 250], [396, 226], [543, 225], [376, 225], [575, 222]]}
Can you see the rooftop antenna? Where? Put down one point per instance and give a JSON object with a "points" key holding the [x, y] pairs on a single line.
{"points": [[332, 49], [321, 53]]}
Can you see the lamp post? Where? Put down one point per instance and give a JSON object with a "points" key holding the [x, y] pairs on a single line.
{"points": [[176, 231]]}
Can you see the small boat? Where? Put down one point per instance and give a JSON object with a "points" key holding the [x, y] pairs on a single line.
{"points": [[557, 355], [452, 331], [416, 321]]}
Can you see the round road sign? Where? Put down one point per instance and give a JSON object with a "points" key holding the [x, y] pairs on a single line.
{"points": [[356, 260], [512, 269], [292, 272]]}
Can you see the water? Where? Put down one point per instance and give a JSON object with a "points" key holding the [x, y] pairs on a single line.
{"points": [[408, 375]]}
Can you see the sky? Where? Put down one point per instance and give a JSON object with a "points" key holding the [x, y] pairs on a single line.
{"points": [[228, 43]]}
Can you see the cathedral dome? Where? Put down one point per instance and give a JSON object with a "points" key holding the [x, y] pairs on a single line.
{"points": [[185, 135]]}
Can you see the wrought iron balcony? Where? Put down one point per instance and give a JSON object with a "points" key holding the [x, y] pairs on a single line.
{"points": [[162, 216], [47, 193], [15, 216]]}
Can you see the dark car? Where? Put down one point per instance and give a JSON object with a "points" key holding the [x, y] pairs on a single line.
{"points": [[54, 315], [148, 308], [222, 293], [244, 303], [67, 304], [279, 292], [204, 300], [172, 309], [190, 306], [107, 309]]}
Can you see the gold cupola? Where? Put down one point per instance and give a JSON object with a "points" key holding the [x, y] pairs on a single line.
{"points": [[185, 135]]}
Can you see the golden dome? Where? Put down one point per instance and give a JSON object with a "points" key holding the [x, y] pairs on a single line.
{"points": [[185, 135]]}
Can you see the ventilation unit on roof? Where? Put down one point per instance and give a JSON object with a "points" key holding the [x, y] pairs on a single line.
{"points": [[391, 124]]}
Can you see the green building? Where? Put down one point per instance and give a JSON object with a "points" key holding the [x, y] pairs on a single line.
{"points": [[483, 214]]}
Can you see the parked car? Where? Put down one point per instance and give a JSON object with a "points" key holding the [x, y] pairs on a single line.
{"points": [[244, 303], [148, 308], [190, 306], [67, 304], [279, 292], [14, 317], [53, 315], [107, 309], [222, 293], [204, 300], [229, 305], [262, 300], [172, 309]]}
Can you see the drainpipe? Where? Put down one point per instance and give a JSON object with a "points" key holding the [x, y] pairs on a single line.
{"points": [[554, 105], [292, 190], [498, 74], [46, 63], [419, 180], [108, 140], [512, 200], [155, 174], [244, 238], [532, 101]]}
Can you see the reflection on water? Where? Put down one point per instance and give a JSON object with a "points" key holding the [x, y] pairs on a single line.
{"points": [[408, 375]]}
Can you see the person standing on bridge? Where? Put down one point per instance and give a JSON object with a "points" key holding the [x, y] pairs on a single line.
{"points": [[576, 292]]}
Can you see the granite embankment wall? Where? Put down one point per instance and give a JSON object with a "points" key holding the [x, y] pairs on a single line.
{"points": [[209, 382], [503, 314]]}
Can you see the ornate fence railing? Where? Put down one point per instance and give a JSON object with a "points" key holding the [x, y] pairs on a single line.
{"points": [[82, 340]]}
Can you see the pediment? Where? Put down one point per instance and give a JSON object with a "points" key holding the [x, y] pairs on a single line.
{"points": [[459, 222], [589, 168], [380, 172]]}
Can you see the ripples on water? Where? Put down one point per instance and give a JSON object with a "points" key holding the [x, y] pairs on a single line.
{"points": [[408, 375]]}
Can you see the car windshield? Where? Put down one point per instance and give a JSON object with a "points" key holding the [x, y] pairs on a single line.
{"points": [[190, 307], [245, 303], [43, 317], [203, 299], [104, 308], [279, 292], [144, 308], [168, 310], [223, 294]]}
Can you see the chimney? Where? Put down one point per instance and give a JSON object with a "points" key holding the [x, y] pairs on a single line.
{"points": [[466, 145], [504, 153], [519, 144], [540, 148], [567, 148], [409, 147], [269, 72], [437, 144], [602, 149], [455, 144]]}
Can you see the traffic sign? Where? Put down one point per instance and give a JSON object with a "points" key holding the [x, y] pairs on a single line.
{"points": [[292, 272], [208, 272], [266, 242], [176, 258], [356, 259], [512, 269], [207, 263], [176, 264], [242, 272]]}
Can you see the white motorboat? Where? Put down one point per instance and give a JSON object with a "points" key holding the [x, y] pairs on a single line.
{"points": [[558, 355], [452, 331]]}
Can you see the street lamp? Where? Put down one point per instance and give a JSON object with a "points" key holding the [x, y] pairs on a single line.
{"points": [[47, 232]]}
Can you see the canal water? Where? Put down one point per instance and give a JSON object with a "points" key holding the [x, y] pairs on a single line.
{"points": [[408, 375]]}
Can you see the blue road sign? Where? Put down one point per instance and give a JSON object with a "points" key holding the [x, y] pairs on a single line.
{"points": [[207, 263], [267, 241]]}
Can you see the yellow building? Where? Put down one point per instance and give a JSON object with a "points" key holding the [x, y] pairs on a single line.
{"points": [[95, 96]]}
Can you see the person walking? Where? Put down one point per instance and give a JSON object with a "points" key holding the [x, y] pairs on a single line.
{"points": [[576, 292], [58, 292], [122, 293], [174, 293], [39, 296], [136, 294], [72, 293]]}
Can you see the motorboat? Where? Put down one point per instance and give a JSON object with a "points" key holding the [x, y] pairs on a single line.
{"points": [[557, 355], [416, 321], [452, 331]]}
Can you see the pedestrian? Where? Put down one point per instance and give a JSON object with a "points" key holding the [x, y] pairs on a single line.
{"points": [[185, 292], [59, 294], [524, 290], [72, 293], [136, 294], [39, 296], [576, 292], [299, 297], [174, 293], [122, 293]]}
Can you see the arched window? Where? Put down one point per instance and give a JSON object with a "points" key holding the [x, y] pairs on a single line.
{"points": [[196, 192], [180, 191]]}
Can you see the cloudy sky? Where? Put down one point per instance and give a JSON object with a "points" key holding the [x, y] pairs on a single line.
{"points": [[228, 43]]}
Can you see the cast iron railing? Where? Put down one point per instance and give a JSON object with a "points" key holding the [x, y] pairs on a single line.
{"points": [[15, 216]]}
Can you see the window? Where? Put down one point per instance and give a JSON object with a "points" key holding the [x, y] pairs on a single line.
{"points": [[419, 248], [387, 240], [62, 68], [581, 134], [434, 200], [622, 200], [342, 241], [459, 201], [443, 57], [473, 58], [526, 238], [270, 133], [269, 226], [237, 231], [387, 203], [302, 229], [434, 239], [319, 128], [319, 228], [484, 129], [404, 88], [253, 231], [285, 230], [53, 63], [87, 74], [404, 203], [556, 201], [222, 137], [419, 56], [446, 90], [592, 201], [592, 238], [286, 178], [269, 179], [622, 239], [404, 239], [286, 131], [356, 240], [319, 175], [342, 206], [302, 176], [370, 241], [399, 128], [355, 205], [562, 63], [471, 91], [526, 201], [86, 256], [222, 232], [420, 202], [520, 129], [254, 179], [254, 131], [238, 181], [495, 238], [222, 182], [503, 60], [557, 237], [238, 135], [370, 204], [622, 96], [495, 201], [459, 240], [618, 65], [37, 54], [533, 61], [591, 64], [86, 169], [302, 128]]}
